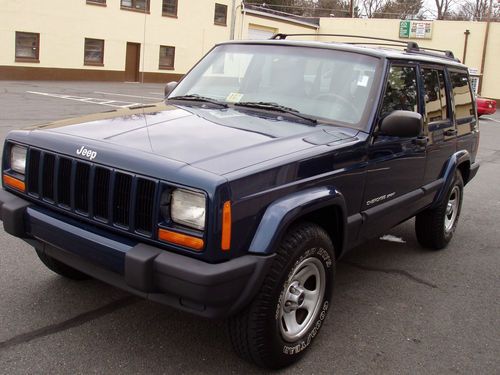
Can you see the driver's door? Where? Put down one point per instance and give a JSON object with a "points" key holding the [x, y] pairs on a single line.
{"points": [[396, 165]]}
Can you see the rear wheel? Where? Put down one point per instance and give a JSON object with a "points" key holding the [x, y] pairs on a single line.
{"points": [[286, 315], [60, 268], [435, 227]]}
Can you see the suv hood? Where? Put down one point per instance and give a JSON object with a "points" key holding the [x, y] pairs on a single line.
{"points": [[219, 141]]}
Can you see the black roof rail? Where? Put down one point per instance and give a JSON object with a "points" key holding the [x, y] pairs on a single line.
{"points": [[411, 46]]}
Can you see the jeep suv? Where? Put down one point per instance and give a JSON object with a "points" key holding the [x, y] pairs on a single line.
{"points": [[235, 197]]}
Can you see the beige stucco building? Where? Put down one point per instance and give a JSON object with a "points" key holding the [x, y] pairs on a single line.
{"points": [[159, 40]]}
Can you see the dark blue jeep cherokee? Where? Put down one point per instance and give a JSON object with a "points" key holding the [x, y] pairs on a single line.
{"points": [[235, 197]]}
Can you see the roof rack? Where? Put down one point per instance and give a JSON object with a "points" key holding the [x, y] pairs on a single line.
{"points": [[411, 46]]}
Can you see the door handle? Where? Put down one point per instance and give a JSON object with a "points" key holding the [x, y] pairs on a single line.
{"points": [[450, 132], [421, 141]]}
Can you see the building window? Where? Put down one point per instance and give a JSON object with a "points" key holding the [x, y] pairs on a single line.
{"points": [[94, 52], [138, 5], [27, 47], [169, 8], [220, 17], [167, 57], [97, 2]]}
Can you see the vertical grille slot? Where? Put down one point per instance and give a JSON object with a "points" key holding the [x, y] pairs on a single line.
{"points": [[64, 182], [49, 161], [82, 187], [121, 202], [101, 193], [33, 171], [144, 205]]}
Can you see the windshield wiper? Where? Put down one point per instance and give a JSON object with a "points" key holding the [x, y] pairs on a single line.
{"points": [[277, 107], [199, 98]]}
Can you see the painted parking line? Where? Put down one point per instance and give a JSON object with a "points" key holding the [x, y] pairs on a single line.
{"points": [[126, 95], [99, 101], [490, 119]]}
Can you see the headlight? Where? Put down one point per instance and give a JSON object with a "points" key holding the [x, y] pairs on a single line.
{"points": [[18, 159], [188, 208]]}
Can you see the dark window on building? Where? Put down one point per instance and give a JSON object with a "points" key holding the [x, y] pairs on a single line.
{"points": [[94, 52], [27, 47], [435, 95], [401, 90], [96, 2], [139, 5], [170, 8], [462, 95], [167, 57], [220, 17]]}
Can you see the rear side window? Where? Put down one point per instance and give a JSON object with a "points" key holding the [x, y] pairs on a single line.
{"points": [[462, 95], [401, 90], [435, 95]]}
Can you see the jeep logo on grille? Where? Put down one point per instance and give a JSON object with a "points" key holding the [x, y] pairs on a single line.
{"points": [[86, 152]]}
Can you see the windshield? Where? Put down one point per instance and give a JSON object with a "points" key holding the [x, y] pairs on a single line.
{"points": [[330, 85]]}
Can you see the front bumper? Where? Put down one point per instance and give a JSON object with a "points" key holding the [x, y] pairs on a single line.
{"points": [[209, 290]]}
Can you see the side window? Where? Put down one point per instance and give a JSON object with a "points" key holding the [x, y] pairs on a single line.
{"points": [[462, 95], [435, 95], [401, 90]]}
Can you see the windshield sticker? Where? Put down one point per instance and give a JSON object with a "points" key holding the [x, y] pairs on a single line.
{"points": [[363, 81], [234, 97]]}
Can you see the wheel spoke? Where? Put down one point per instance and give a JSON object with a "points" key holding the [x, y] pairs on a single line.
{"points": [[310, 300], [304, 274], [291, 322]]}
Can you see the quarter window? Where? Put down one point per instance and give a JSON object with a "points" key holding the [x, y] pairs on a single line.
{"points": [[220, 17], [167, 57], [169, 8], [94, 52], [27, 47], [140, 5], [435, 95], [462, 95], [401, 90]]}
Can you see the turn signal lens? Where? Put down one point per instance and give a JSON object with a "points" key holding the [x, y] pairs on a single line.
{"points": [[226, 226], [14, 183], [194, 243]]}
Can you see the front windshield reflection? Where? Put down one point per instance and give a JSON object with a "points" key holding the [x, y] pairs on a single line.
{"points": [[326, 84]]}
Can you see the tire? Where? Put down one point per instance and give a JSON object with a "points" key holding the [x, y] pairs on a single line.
{"points": [[435, 227], [60, 268], [297, 289]]}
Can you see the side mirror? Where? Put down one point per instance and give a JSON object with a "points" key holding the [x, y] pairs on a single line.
{"points": [[405, 124], [169, 88]]}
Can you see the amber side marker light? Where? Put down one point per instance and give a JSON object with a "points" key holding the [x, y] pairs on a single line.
{"points": [[194, 243], [14, 183], [226, 227]]}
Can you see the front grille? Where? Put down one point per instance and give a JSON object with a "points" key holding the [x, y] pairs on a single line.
{"points": [[104, 195]]}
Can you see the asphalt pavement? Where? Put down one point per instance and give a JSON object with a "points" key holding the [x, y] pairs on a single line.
{"points": [[397, 308]]}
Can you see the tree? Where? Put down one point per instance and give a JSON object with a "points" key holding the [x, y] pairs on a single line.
{"points": [[372, 7], [443, 8], [401, 9], [473, 10]]}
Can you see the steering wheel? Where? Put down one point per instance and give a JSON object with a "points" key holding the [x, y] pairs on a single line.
{"points": [[344, 102]]}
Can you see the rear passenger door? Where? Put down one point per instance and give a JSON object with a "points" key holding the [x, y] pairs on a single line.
{"points": [[464, 111], [439, 127]]}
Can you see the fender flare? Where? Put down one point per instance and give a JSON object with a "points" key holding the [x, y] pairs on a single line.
{"points": [[449, 173], [284, 211]]}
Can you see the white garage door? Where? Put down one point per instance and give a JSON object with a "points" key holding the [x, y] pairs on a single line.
{"points": [[259, 33]]}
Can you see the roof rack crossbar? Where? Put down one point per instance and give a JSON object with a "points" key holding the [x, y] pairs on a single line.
{"points": [[411, 46]]}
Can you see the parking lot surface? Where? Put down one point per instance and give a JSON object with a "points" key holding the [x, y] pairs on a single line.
{"points": [[398, 308]]}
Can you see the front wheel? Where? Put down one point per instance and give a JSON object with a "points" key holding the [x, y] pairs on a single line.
{"points": [[288, 312], [435, 227]]}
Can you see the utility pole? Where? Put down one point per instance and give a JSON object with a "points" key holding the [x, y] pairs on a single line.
{"points": [[485, 45], [351, 8]]}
